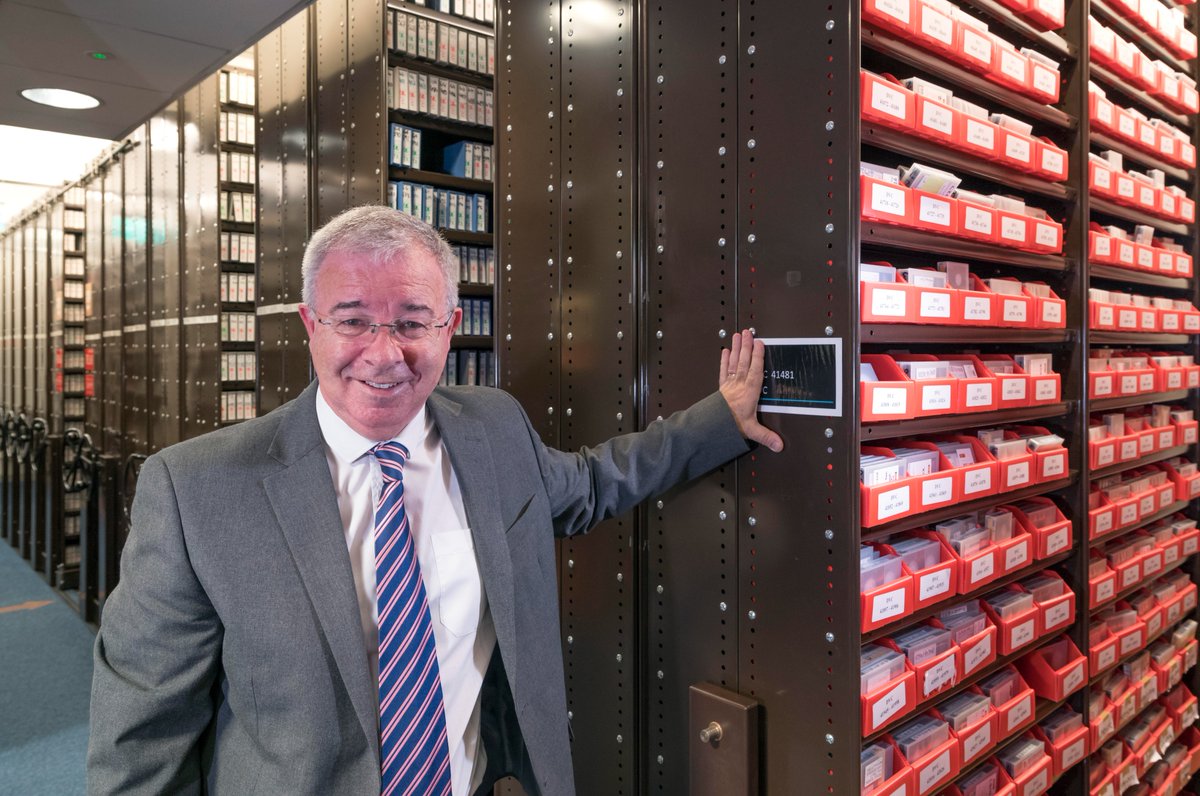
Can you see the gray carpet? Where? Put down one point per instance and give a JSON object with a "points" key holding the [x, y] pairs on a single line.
{"points": [[45, 677]]}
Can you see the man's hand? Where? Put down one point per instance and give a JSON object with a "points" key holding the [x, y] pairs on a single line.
{"points": [[741, 383]]}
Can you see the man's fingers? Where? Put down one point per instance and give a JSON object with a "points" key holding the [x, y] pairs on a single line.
{"points": [[765, 436], [723, 376]]}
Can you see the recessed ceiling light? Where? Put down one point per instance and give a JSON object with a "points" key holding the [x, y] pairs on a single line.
{"points": [[60, 98]]}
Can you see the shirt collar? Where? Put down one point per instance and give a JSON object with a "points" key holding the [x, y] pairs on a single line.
{"points": [[348, 445]]}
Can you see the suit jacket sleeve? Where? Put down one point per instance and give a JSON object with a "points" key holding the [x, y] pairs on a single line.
{"points": [[156, 657], [599, 482]]}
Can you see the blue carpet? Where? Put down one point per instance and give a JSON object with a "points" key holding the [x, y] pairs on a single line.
{"points": [[45, 680]]}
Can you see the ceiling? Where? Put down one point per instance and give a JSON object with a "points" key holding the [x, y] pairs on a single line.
{"points": [[157, 48]]}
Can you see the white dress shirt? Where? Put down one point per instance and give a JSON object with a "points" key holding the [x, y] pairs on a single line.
{"points": [[462, 624]]}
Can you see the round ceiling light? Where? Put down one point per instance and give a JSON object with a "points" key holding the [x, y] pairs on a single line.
{"points": [[60, 98]]}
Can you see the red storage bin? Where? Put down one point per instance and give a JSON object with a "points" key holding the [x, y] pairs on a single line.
{"points": [[973, 48], [1011, 69], [1017, 631], [1046, 237], [938, 582], [1013, 390], [978, 652], [936, 769], [932, 29], [887, 603], [977, 222], [1065, 752], [1035, 781], [1055, 670], [934, 213], [1017, 150], [1103, 654], [887, 302], [935, 120], [1100, 109], [1017, 552], [1044, 82], [1017, 713], [982, 478], [1102, 587], [894, 15], [1048, 465], [1046, 14], [890, 702], [1102, 519], [1051, 160], [977, 394], [933, 675], [1051, 539], [901, 781], [885, 202], [974, 570], [890, 398], [978, 137], [1101, 383], [979, 305], [1100, 247], [976, 739], [1014, 230], [1101, 181], [1014, 310]]}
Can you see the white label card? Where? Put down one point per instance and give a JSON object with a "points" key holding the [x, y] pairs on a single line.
{"points": [[1058, 614], [979, 394], [1054, 466], [935, 305], [1022, 634], [978, 220], [1013, 64], [1045, 80], [1105, 590], [935, 772], [1019, 713], [1038, 784], [1018, 474], [887, 199], [937, 117], [983, 567], [1104, 384], [981, 135], [933, 584], [977, 481], [1014, 229], [978, 47], [1045, 389], [887, 605], [1074, 679], [935, 398], [977, 655], [1017, 148], [889, 101], [976, 742], [1052, 161], [939, 676], [891, 704], [977, 308], [1052, 312], [1058, 541], [1016, 310], [1012, 389], [936, 491], [889, 303], [889, 401], [897, 9], [1016, 556], [937, 26]]}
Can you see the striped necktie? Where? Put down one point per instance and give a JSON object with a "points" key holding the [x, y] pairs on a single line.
{"points": [[414, 755]]}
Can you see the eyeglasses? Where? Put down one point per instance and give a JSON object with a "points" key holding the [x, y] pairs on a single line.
{"points": [[405, 329]]}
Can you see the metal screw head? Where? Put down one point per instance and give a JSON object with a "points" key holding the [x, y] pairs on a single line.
{"points": [[722, 514], [508, 197], [829, 24], [509, 128], [724, 607], [549, 410], [570, 563], [569, 411], [570, 335], [829, 433], [660, 760], [828, 228], [751, 238], [660, 674], [550, 115], [620, 739], [751, 615], [570, 107], [620, 416], [620, 335], [752, 521], [550, 189], [550, 40], [829, 738], [619, 255], [829, 533], [570, 260], [720, 241], [829, 637], [750, 50], [620, 577], [829, 126], [618, 657], [620, 92], [550, 335], [620, 174], [508, 338], [721, 150], [570, 714], [721, 60], [722, 334], [661, 248], [570, 183], [658, 335], [659, 164], [751, 144], [550, 261], [660, 504], [659, 589], [660, 79], [828, 331]]}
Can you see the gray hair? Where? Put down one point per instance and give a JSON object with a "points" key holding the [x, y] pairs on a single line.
{"points": [[383, 234]]}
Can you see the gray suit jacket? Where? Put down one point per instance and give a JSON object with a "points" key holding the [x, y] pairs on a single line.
{"points": [[230, 658]]}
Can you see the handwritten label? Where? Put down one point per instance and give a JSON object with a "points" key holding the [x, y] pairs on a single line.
{"points": [[1166, 438], [983, 567], [1022, 634], [1018, 474], [1170, 323], [1012, 389], [1054, 466], [939, 676], [1168, 203], [888, 101], [1127, 319], [897, 9], [1052, 161], [977, 220], [889, 705], [1038, 784], [977, 47], [1015, 310], [1058, 541], [888, 303], [1104, 384], [1190, 545], [1104, 112], [1146, 506], [1149, 690], [889, 401], [1125, 188], [887, 605], [1104, 522], [977, 655], [977, 481], [1106, 658], [887, 199], [1131, 642], [1105, 454], [937, 26], [1045, 80], [1151, 564], [1017, 148], [1125, 253], [1128, 778], [1105, 589], [979, 394], [1013, 64], [933, 584], [1149, 322], [1058, 614], [981, 134], [1146, 382], [976, 742], [1170, 555], [1074, 679], [1131, 576], [935, 398], [1016, 556], [1045, 389], [1101, 247], [1052, 312], [977, 309], [1020, 712], [1014, 229], [937, 117], [935, 772], [1101, 177], [1154, 624], [1145, 257], [1146, 196], [1129, 450], [935, 305], [936, 491]]}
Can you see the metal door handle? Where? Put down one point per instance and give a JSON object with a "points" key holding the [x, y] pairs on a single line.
{"points": [[711, 733]]}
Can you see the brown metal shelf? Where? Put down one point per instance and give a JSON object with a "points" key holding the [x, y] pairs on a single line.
{"points": [[470, 132], [1178, 505], [886, 235], [1138, 338], [1158, 456], [1131, 152], [1131, 32], [895, 429], [1138, 216], [1121, 595], [1108, 404], [1121, 86], [449, 71], [1138, 277], [889, 44], [893, 333], [439, 179], [1049, 40], [962, 163]]}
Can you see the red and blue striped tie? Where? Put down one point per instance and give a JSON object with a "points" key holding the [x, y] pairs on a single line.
{"points": [[414, 755]]}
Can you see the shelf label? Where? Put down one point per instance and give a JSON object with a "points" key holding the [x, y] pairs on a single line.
{"points": [[1058, 614], [1046, 235], [1127, 126], [1146, 196], [1020, 712], [1054, 465], [889, 705], [1170, 555], [1168, 203], [935, 211], [1073, 680], [887, 605], [1014, 229], [1146, 506], [1045, 80], [936, 491], [1149, 320], [977, 655], [1052, 312], [938, 676], [1129, 450], [935, 772], [1058, 541], [1166, 439], [1105, 589], [979, 394], [977, 481], [983, 567], [937, 117], [934, 305], [889, 401], [1104, 521], [1149, 690], [1131, 576], [1170, 323], [1017, 148], [1125, 188], [889, 303], [977, 308], [1052, 162], [1017, 474], [1129, 384], [981, 134], [977, 219], [1125, 252], [1146, 382], [1101, 247], [1015, 310], [1012, 389], [1103, 384], [933, 584], [1104, 111], [1101, 178], [936, 25], [977, 46], [887, 199], [1013, 64], [1016, 556], [1106, 658], [802, 376], [1151, 564], [1022, 634], [1038, 784], [897, 9], [893, 502], [1132, 641], [888, 100], [936, 397], [1128, 778], [976, 742], [1045, 390]]}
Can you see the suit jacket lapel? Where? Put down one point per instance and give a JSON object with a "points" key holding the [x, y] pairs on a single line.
{"points": [[305, 504], [471, 456]]}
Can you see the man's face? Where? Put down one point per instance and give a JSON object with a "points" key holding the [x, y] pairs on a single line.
{"points": [[376, 382]]}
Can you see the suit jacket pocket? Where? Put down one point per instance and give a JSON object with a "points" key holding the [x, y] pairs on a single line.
{"points": [[460, 588], [520, 514]]}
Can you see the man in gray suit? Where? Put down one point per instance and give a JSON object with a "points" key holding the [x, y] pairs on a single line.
{"points": [[259, 628]]}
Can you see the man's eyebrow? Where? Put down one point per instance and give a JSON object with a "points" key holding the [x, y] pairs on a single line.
{"points": [[358, 304], [346, 305]]}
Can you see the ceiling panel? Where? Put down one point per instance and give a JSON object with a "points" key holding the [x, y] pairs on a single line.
{"points": [[123, 107]]}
